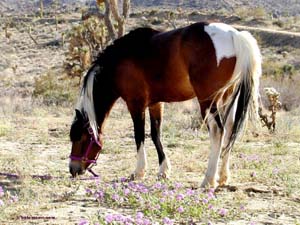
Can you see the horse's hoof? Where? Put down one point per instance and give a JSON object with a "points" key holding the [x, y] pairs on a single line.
{"points": [[136, 176], [162, 176], [223, 182], [209, 183], [131, 177]]}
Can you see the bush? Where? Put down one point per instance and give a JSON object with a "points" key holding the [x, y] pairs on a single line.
{"points": [[288, 89], [251, 13], [85, 41], [52, 90]]}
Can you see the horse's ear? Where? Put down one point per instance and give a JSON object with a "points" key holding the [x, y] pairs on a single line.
{"points": [[79, 115]]}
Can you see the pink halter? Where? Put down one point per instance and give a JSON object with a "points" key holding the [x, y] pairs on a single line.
{"points": [[84, 158]]}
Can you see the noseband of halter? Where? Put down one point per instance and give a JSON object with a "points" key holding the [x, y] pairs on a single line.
{"points": [[84, 158]]}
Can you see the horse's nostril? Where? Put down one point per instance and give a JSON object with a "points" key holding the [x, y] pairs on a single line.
{"points": [[75, 169]]}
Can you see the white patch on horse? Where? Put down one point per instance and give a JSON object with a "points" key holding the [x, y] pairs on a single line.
{"points": [[221, 36], [165, 168], [141, 164], [216, 142]]}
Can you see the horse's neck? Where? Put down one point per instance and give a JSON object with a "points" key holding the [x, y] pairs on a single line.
{"points": [[104, 99]]}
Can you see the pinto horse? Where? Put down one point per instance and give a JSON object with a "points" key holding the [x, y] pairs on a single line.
{"points": [[211, 61]]}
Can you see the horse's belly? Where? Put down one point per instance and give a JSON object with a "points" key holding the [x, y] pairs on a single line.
{"points": [[175, 89]]}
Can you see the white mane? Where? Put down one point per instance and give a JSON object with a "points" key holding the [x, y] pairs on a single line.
{"points": [[86, 101]]}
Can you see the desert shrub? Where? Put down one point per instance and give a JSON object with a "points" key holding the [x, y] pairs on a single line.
{"points": [[53, 90], [277, 69], [278, 23], [288, 89], [85, 40], [251, 13]]}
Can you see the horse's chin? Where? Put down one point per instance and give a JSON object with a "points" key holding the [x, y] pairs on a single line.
{"points": [[76, 169]]}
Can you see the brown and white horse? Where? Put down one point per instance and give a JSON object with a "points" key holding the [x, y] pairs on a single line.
{"points": [[213, 62]]}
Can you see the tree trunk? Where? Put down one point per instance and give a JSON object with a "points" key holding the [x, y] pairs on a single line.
{"points": [[108, 21], [41, 8]]}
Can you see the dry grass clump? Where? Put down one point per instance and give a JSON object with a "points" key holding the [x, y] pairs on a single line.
{"points": [[247, 13], [51, 89]]}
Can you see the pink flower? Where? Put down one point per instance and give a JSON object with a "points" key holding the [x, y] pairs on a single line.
{"points": [[1, 192], [179, 197], [190, 192], [222, 212], [83, 222], [180, 209], [168, 221], [139, 215], [109, 218], [126, 191], [178, 185]]}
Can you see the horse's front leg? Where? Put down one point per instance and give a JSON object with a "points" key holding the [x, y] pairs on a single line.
{"points": [[156, 112], [138, 117], [216, 132]]}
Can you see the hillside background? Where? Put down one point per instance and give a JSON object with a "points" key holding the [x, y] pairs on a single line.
{"points": [[276, 7]]}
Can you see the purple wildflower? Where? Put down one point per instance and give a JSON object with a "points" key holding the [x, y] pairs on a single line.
{"points": [[146, 221], [1, 203], [205, 201], [14, 198], [139, 215], [168, 221], [99, 194], [222, 212], [1, 192], [179, 197], [88, 191], [123, 179], [180, 209], [115, 197], [83, 222], [157, 186], [126, 191], [190, 192], [109, 218], [115, 185], [210, 195], [209, 223], [178, 185]]}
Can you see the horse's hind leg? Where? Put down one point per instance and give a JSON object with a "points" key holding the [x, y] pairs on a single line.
{"points": [[216, 132], [138, 117], [226, 149], [156, 112]]}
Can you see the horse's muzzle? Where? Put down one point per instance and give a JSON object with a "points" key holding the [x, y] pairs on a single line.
{"points": [[75, 168]]}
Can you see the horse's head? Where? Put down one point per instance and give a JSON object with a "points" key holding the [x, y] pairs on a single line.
{"points": [[85, 146]]}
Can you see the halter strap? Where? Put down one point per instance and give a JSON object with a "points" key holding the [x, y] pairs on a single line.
{"points": [[84, 158]]}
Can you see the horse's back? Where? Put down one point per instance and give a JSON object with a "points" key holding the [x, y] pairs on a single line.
{"points": [[178, 64]]}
